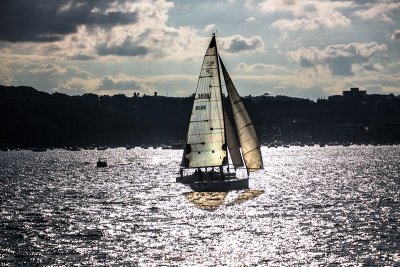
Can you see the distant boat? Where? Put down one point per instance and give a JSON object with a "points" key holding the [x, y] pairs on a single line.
{"points": [[211, 135], [101, 163]]}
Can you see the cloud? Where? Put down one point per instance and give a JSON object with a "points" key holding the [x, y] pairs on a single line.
{"points": [[306, 15], [81, 56], [238, 43], [338, 58], [126, 48], [108, 83], [50, 77], [395, 35], [379, 11], [123, 84], [6, 75], [210, 28], [373, 67], [330, 22], [49, 21], [55, 70], [97, 28], [250, 19], [150, 37], [260, 68]]}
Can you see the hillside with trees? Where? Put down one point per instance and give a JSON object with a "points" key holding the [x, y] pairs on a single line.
{"points": [[31, 118]]}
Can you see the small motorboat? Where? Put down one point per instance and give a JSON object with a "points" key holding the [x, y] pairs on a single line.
{"points": [[101, 163]]}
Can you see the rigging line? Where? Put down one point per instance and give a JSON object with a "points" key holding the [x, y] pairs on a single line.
{"points": [[239, 110], [206, 100], [209, 68], [245, 126], [214, 133], [237, 101], [200, 121], [251, 150]]}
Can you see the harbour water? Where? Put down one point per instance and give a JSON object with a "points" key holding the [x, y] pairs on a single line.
{"points": [[310, 206]]}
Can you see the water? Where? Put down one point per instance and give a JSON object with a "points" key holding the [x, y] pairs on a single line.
{"points": [[331, 206]]}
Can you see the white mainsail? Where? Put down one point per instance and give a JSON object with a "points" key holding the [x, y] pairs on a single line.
{"points": [[205, 142], [245, 128]]}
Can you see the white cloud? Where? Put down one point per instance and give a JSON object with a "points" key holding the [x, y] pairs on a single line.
{"points": [[306, 15], [50, 77], [55, 71], [260, 68], [210, 28], [126, 85], [329, 21], [250, 19], [150, 36], [338, 58], [379, 11]]}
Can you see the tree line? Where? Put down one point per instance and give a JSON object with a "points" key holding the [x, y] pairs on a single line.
{"points": [[31, 118]]}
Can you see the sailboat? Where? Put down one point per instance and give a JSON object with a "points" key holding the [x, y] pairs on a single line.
{"points": [[212, 139]]}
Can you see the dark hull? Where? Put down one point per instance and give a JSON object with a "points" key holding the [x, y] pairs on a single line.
{"points": [[220, 186], [193, 178]]}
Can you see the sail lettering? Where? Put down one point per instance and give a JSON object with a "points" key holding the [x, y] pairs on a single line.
{"points": [[203, 96], [201, 107]]}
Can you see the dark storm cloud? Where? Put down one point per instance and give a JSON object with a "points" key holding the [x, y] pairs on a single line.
{"points": [[51, 20]]}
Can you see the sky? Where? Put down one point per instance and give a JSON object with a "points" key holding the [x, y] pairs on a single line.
{"points": [[308, 49]]}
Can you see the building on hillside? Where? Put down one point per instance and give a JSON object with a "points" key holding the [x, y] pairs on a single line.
{"points": [[354, 94]]}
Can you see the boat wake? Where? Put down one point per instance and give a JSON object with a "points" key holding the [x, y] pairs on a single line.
{"points": [[214, 200]]}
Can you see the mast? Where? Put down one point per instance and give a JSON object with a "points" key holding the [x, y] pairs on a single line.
{"points": [[225, 161]]}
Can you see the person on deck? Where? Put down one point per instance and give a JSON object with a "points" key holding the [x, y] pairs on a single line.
{"points": [[211, 174], [200, 174]]}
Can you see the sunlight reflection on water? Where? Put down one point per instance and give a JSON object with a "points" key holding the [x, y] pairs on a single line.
{"points": [[310, 206]]}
